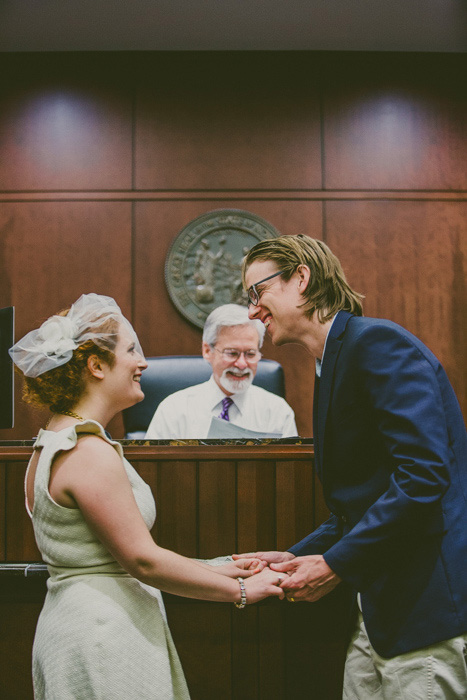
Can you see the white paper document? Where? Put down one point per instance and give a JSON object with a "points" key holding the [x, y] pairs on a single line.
{"points": [[225, 429]]}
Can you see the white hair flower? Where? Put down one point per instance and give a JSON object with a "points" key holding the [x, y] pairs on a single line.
{"points": [[58, 334]]}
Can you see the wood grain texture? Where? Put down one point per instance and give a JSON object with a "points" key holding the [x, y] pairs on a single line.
{"points": [[50, 254], [410, 261], [19, 619], [308, 654], [3, 470], [177, 506], [395, 121], [217, 506], [245, 677], [294, 503], [207, 627], [20, 544], [65, 123], [238, 121], [271, 653], [256, 485]]}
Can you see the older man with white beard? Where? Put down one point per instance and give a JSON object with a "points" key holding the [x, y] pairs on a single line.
{"points": [[231, 345]]}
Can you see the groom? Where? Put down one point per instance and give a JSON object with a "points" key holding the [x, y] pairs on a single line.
{"points": [[391, 453]]}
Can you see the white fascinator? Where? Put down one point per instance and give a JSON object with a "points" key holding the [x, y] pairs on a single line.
{"points": [[53, 343]]}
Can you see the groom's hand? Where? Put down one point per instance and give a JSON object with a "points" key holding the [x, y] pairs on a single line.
{"points": [[309, 578]]}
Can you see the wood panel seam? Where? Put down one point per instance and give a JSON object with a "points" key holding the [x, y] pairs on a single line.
{"points": [[214, 195]]}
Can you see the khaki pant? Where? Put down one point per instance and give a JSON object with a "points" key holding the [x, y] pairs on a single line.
{"points": [[437, 672]]}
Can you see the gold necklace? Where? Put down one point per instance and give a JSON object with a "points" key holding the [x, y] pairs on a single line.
{"points": [[72, 414]]}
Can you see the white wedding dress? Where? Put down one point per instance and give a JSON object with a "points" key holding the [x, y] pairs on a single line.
{"points": [[101, 635]]}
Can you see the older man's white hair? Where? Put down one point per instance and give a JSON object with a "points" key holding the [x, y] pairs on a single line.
{"points": [[226, 316]]}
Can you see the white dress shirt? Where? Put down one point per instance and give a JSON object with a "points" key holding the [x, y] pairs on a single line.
{"points": [[319, 362], [187, 414]]}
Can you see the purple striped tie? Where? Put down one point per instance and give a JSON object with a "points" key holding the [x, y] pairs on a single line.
{"points": [[226, 404]]}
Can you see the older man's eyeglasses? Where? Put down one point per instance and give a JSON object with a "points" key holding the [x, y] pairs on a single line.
{"points": [[232, 355], [254, 294]]}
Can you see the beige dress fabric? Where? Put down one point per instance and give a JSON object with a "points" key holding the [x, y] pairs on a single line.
{"points": [[101, 635]]}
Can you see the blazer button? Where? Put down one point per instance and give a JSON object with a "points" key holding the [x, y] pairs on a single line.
{"points": [[344, 518]]}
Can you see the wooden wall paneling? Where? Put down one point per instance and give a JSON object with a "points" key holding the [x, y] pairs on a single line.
{"points": [[65, 122], [160, 326], [206, 626], [217, 505], [54, 251], [51, 253], [245, 677], [313, 663], [20, 543], [294, 502], [299, 370], [3, 468], [227, 121], [177, 508], [271, 653], [410, 260], [149, 473], [395, 122], [19, 619], [256, 521], [298, 652]]}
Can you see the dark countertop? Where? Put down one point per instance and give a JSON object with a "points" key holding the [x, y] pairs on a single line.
{"points": [[139, 443]]}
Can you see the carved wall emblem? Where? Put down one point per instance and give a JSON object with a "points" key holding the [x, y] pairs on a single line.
{"points": [[203, 266]]}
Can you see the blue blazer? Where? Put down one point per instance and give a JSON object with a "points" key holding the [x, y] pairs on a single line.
{"points": [[391, 453]]}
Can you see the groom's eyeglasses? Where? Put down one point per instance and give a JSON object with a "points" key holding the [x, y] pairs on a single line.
{"points": [[254, 294]]}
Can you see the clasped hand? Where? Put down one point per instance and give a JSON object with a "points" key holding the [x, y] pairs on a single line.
{"points": [[244, 567], [308, 578]]}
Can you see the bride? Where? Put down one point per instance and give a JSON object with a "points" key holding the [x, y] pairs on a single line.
{"points": [[102, 632]]}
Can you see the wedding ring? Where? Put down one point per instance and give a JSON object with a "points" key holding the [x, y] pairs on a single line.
{"points": [[291, 599]]}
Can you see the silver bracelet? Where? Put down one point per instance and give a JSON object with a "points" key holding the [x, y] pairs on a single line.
{"points": [[242, 602]]}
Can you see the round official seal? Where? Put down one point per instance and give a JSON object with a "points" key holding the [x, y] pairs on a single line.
{"points": [[204, 264]]}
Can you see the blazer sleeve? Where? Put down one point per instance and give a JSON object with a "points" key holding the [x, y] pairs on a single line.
{"points": [[321, 539], [401, 386]]}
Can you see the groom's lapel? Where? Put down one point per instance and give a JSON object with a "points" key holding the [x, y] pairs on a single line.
{"points": [[333, 346]]}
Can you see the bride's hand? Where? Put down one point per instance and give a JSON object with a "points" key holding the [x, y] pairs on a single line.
{"points": [[242, 567], [265, 584]]}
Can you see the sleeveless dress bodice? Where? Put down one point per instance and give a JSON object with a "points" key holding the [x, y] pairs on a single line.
{"points": [[102, 634]]}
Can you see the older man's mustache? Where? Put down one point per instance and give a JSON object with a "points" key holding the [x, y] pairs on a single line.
{"points": [[239, 372]]}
